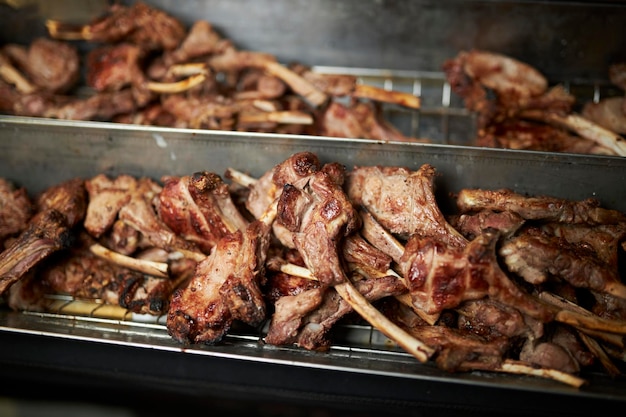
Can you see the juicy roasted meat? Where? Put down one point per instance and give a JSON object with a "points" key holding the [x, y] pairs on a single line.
{"points": [[561, 350], [538, 208], [529, 135], [113, 67], [150, 28], [106, 197], [226, 287], [199, 208], [47, 233], [492, 319], [201, 40], [402, 201], [79, 273], [538, 256], [442, 277], [472, 225], [608, 112], [360, 120], [305, 319], [16, 208], [140, 213], [320, 209]]}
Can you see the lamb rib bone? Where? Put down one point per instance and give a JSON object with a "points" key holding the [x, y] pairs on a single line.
{"points": [[386, 96], [157, 269], [583, 127], [349, 293]]}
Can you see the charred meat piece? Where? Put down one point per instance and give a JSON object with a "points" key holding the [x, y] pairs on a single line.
{"points": [[106, 197], [320, 216], [537, 256], [442, 277], [530, 135], [402, 201], [58, 210], [113, 67], [140, 24], [360, 120], [226, 286], [199, 208], [472, 225], [140, 213], [307, 318], [544, 208]]}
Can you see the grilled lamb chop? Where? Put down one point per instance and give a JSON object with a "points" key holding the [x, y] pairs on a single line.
{"points": [[322, 210], [402, 201], [538, 256], [360, 120], [225, 287], [530, 135], [58, 210], [78, 273], [543, 208], [140, 24], [442, 277], [199, 208], [305, 319]]}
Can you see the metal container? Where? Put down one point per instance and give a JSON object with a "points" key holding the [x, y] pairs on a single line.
{"points": [[94, 353]]}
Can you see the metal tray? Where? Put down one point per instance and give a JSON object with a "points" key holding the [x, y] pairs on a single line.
{"points": [[98, 353], [363, 367]]}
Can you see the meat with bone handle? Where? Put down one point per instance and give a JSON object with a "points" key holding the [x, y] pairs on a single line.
{"points": [[359, 120], [402, 201], [225, 286], [538, 256], [140, 24], [583, 127], [532, 135], [59, 209], [306, 318], [441, 277], [545, 208], [87, 277], [521, 92], [199, 208]]}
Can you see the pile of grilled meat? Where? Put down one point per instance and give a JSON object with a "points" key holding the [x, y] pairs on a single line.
{"points": [[143, 66], [506, 283]]}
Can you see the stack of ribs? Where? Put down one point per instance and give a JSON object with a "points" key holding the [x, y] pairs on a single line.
{"points": [[507, 283], [143, 66], [516, 107]]}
